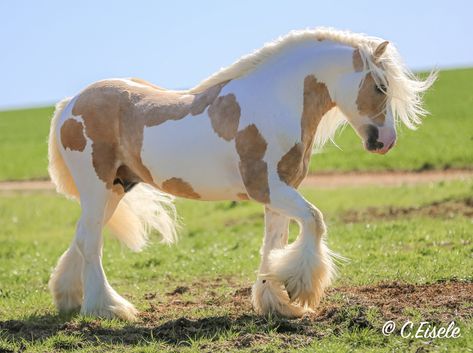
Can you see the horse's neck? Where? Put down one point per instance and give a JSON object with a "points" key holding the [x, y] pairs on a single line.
{"points": [[282, 77]]}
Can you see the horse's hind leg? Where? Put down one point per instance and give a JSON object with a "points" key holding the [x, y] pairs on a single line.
{"points": [[268, 296], [82, 263], [65, 283], [100, 299], [305, 266]]}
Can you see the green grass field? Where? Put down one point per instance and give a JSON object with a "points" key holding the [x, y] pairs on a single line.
{"points": [[443, 141], [194, 296], [410, 254]]}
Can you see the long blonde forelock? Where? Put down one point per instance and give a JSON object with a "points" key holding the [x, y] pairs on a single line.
{"points": [[405, 90]]}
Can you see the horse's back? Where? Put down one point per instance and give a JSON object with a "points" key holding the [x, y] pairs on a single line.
{"points": [[161, 137]]}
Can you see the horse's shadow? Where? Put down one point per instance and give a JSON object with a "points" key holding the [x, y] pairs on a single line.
{"points": [[180, 331]]}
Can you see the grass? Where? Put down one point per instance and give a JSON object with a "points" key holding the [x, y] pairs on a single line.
{"points": [[23, 143], [23, 135], [409, 247], [215, 263]]}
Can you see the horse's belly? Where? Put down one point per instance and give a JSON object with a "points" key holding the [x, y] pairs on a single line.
{"points": [[189, 152]]}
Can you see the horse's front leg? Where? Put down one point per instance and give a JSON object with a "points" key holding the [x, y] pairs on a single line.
{"points": [[269, 296], [305, 266]]}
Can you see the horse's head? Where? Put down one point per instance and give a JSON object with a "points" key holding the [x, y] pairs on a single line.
{"points": [[364, 97]]}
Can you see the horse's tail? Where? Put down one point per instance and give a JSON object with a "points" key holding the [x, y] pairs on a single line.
{"points": [[143, 209], [139, 212], [57, 168]]}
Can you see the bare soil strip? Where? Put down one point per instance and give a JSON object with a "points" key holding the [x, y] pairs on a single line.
{"points": [[438, 302], [345, 309], [448, 208], [389, 178], [319, 180]]}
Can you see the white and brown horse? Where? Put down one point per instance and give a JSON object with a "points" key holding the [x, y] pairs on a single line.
{"points": [[124, 146]]}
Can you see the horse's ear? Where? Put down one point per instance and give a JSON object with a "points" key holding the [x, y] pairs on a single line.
{"points": [[379, 51]]}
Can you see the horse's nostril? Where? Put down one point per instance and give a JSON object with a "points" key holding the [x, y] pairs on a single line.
{"points": [[373, 145]]}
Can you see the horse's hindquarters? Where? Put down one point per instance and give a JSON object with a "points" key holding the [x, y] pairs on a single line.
{"points": [[186, 158]]}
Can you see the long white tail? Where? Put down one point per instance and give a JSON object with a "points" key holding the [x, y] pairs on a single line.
{"points": [[142, 210]]}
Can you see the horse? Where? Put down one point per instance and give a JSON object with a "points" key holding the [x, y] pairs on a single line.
{"points": [[125, 148]]}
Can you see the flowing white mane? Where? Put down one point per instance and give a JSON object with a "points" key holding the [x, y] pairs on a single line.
{"points": [[249, 62], [404, 92]]}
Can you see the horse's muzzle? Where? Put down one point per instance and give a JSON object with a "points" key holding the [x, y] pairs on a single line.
{"points": [[379, 140]]}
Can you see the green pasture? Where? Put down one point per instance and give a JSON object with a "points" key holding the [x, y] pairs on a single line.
{"points": [[445, 140], [194, 296], [215, 262]]}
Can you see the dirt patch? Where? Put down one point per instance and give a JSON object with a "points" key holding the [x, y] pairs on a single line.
{"points": [[179, 290], [439, 302], [233, 325], [327, 180], [448, 208], [323, 180]]}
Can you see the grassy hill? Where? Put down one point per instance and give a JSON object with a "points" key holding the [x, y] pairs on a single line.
{"points": [[444, 140]]}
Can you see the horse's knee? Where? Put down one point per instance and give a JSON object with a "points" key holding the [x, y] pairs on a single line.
{"points": [[313, 220]]}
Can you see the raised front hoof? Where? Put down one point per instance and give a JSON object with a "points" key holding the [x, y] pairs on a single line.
{"points": [[303, 293], [269, 298], [305, 275]]}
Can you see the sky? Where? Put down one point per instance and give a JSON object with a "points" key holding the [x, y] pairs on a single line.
{"points": [[53, 49]]}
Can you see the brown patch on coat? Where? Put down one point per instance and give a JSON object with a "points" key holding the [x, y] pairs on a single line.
{"points": [[115, 114], [251, 147], [168, 106], [204, 99], [179, 187], [294, 165], [242, 196], [371, 103], [224, 115], [290, 167], [172, 105], [357, 61], [72, 135], [115, 127]]}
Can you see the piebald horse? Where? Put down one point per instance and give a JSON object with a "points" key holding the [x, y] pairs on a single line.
{"points": [[125, 147]]}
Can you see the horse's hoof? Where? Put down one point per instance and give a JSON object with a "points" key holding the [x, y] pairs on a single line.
{"points": [[270, 298]]}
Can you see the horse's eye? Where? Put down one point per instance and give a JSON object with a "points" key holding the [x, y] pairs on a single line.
{"points": [[381, 89]]}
